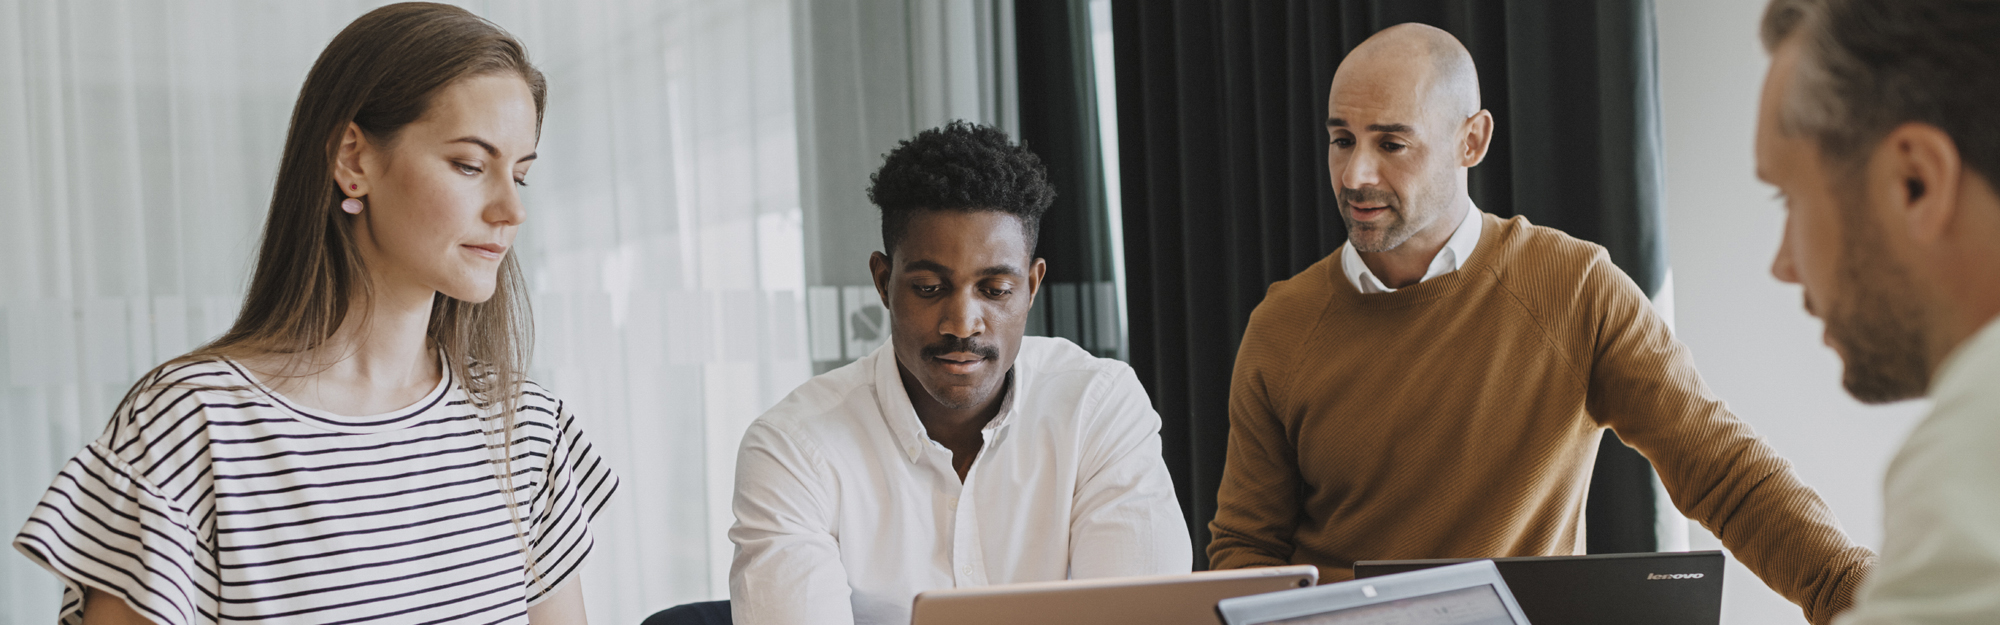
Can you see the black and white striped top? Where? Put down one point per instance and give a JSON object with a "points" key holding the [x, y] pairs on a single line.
{"points": [[211, 499]]}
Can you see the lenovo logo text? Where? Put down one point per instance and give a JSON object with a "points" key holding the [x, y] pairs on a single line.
{"points": [[1673, 576]]}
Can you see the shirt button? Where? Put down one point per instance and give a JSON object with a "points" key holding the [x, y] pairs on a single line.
{"points": [[968, 570], [951, 503]]}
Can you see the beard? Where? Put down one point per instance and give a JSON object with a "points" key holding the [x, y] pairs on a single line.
{"points": [[1398, 226], [1878, 325]]}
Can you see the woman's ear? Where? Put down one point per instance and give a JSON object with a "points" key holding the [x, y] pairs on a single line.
{"points": [[347, 161]]}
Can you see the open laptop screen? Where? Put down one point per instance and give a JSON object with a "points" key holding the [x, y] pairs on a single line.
{"points": [[1478, 605], [1472, 593]]}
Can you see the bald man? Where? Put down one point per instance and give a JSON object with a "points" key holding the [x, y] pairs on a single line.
{"points": [[1437, 387]]}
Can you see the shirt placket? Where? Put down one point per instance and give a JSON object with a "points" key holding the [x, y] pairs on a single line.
{"points": [[967, 558]]}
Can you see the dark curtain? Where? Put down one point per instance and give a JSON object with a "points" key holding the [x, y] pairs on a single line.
{"points": [[1221, 105], [1059, 123]]}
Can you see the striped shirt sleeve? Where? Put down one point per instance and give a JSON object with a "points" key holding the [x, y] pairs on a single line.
{"points": [[102, 524], [577, 486]]}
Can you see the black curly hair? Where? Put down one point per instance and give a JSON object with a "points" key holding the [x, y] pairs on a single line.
{"points": [[960, 167]]}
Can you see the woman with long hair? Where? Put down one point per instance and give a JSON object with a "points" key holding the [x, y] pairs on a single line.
{"points": [[361, 444]]}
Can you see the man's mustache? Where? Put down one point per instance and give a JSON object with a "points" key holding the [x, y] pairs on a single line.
{"points": [[961, 345], [1369, 196]]}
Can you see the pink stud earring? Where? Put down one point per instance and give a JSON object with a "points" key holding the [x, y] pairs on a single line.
{"points": [[351, 205]]}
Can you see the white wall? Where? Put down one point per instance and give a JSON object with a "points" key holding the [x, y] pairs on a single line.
{"points": [[1750, 334]]}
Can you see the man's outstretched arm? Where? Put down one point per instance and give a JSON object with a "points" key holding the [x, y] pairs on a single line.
{"points": [[1643, 385]]}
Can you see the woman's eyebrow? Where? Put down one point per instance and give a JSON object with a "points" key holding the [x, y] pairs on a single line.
{"points": [[495, 152]]}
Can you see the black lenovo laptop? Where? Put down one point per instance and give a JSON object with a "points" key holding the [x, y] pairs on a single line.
{"points": [[1625, 588]]}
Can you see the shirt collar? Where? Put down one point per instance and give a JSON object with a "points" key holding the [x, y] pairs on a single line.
{"points": [[901, 416], [1456, 250], [1963, 359]]}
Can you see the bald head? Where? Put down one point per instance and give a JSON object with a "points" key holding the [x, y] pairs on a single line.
{"points": [[1403, 125], [1417, 64]]}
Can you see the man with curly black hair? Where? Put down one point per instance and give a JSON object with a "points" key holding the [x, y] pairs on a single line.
{"points": [[960, 453]]}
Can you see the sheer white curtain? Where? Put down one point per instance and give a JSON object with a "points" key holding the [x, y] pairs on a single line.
{"points": [[138, 142], [667, 272]]}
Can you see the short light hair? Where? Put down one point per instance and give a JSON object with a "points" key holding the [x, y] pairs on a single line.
{"points": [[1868, 66]]}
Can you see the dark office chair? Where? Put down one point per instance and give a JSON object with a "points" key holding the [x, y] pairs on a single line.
{"points": [[700, 613]]}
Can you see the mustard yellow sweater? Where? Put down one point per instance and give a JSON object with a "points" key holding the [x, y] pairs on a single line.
{"points": [[1459, 417]]}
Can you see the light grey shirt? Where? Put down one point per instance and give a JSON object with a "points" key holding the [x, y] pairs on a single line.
{"points": [[1941, 547]]}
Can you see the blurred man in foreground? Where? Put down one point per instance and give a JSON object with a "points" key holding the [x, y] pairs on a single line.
{"points": [[1877, 126]]}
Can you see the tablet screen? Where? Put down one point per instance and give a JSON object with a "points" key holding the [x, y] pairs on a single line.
{"points": [[1478, 605]]}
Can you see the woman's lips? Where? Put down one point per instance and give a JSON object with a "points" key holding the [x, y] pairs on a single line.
{"points": [[489, 251]]}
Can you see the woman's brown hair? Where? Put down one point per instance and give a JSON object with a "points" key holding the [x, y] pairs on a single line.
{"points": [[380, 73]]}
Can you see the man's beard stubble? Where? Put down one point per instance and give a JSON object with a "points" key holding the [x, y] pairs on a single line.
{"points": [[1357, 233], [1399, 229], [1879, 324]]}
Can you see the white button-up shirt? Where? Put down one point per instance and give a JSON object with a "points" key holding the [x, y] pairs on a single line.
{"points": [[846, 509], [1456, 250]]}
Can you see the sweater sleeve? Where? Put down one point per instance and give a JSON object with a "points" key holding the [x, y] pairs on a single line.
{"points": [[1719, 472], [1257, 504]]}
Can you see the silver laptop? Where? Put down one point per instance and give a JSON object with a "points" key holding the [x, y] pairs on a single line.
{"points": [[1461, 594], [1155, 600]]}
